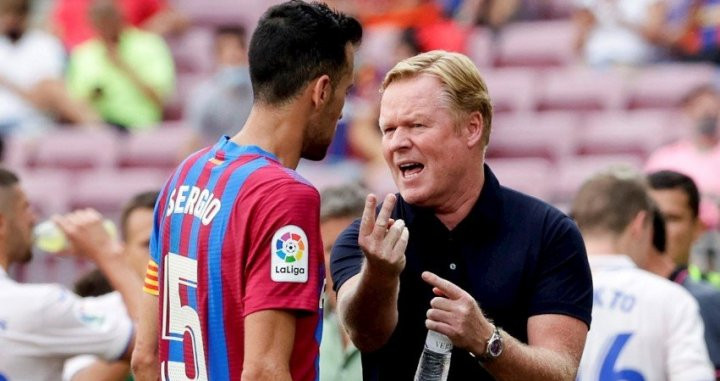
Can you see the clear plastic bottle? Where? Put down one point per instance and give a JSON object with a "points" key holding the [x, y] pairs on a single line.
{"points": [[49, 238], [434, 363]]}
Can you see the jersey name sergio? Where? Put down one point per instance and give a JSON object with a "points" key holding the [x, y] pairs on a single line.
{"points": [[200, 203]]}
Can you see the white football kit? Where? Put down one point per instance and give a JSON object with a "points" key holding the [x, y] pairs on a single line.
{"points": [[42, 325], [644, 327]]}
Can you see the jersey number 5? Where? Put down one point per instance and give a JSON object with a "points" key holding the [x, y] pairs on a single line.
{"points": [[180, 321]]}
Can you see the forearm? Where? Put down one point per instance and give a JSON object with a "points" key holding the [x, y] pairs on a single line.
{"points": [[145, 364], [124, 280], [520, 361], [369, 309]]}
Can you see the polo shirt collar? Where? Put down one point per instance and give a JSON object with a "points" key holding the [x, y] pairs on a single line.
{"points": [[485, 213]]}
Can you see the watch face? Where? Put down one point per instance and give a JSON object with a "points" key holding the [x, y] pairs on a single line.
{"points": [[495, 348]]}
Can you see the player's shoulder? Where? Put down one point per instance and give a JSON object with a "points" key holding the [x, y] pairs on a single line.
{"points": [[36, 298], [281, 181], [661, 290]]}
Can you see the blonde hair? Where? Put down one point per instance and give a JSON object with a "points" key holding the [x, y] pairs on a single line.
{"points": [[464, 89]]}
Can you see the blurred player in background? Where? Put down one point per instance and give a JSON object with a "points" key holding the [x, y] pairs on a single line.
{"points": [[644, 326], [339, 358], [42, 325], [237, 269], [135, 225]]}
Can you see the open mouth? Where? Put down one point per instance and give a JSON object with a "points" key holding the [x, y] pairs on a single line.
{"points": [[410, 170]]}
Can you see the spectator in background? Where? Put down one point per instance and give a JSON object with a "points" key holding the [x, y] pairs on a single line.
{"points": [[707, 296], [493, 13], [644, 327], [41, 325], [339, 359], [619, 32], [698, 155], [696, 32], [73, 25], [32, 91], [221, 105], [135, 226], [126, 74], [679, 200]]}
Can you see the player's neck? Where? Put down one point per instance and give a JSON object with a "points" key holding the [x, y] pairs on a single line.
{"points": [[277, 130], [660, 265]]}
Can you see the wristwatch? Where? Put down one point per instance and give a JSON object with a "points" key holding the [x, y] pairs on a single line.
{"points": [[493, 349]]}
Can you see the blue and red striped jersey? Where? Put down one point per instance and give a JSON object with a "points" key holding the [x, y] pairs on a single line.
{"points": [[234, 233]]}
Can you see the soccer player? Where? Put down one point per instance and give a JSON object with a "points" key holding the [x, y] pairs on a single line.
{"points": [[236, 268]]}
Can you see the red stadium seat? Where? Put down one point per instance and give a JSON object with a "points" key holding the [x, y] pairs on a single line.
{"points": [[526, 175], [159, 148], [638, 132], [107, 191], [581, 89], [665, 85], [511, 90], [78, 149], [536, 43], [549, 135]]}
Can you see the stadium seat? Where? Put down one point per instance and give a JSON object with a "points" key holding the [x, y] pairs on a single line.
{"points": [[536, 43], [158, 148], [549, 135], [638, 132], [107, 191], [665, 85], [573, 171], [76, 148], [193, 50], [511, 90], [186, 85], [47, 189], [581, 89], [527, 175], [480, 47]]}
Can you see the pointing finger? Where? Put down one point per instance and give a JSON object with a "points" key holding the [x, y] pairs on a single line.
{"points": [[446, 287], [381, 223], [367, 223]]}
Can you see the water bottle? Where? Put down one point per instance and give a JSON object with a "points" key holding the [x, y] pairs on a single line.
{"points": [[435, 360], [49, 238]]}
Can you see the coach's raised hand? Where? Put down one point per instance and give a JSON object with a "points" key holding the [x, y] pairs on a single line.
{"points": [[383, 240]]}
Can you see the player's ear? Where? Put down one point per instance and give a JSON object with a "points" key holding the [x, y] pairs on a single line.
{"points": [[321, 90]]}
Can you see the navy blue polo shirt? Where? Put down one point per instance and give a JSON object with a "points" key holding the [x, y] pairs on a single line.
{"points": [[517, 255]]}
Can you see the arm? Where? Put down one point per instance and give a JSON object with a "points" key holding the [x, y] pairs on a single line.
{"points": [[269, 338], [144, 358], [84, 229], [555, 342], [584, 22], [367, 302]]}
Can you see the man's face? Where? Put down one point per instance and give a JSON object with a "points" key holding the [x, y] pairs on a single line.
{"points": [[421, 143], [682, 228], [20, 222], [330, 229], [137, 239], [321, 129], [231, 51]]}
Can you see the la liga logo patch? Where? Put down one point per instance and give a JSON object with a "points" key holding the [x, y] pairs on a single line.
{"points": [[288, 249]]}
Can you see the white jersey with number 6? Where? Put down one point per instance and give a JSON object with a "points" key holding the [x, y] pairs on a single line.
{"points": [[644, 327]]}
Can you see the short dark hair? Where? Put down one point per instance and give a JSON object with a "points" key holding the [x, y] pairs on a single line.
{"points": [[235, 30], [665, 180], [93, 283], [145, 200], [659, 237], [296, 42], [8, 178], [607, 203]]}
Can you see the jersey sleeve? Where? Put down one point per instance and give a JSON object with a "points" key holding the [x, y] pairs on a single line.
{"points": [[687, 355], [347, 257], [563, 283], [284, 266], [71, 326]]}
